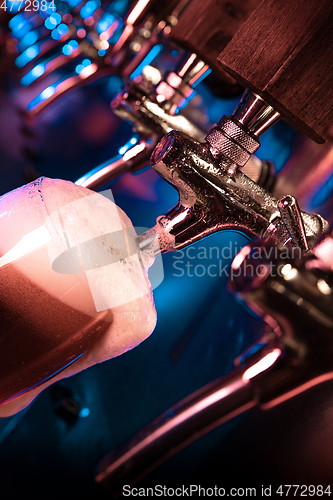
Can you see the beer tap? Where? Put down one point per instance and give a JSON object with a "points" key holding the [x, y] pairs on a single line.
{"points": [[292, 291], [153, 110], [287, 277], [151, 115], [213, 194], [98, 41]]}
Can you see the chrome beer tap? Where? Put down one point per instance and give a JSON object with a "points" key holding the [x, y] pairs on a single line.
{"points": [[153, 111], [292, 291], [214, 194], [97, 39]]}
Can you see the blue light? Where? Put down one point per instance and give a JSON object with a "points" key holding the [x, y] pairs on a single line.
{"points": [[101, 52], [84, 412], [21, 29], [67, 50], [128, 145], [80, 181], [30, 77], [119, 6], [52, 21], [105, 22], [74, 44], [323, 193], [147, 60], [13, 5], [79, 68], [26, 56], [15, 21], [89, 8], [59, 32], [50, 9], [38, 70], [31, 52], [48, 92], [122, 150], [63, 29], [70, 47], [28, 39], [73, 3]]}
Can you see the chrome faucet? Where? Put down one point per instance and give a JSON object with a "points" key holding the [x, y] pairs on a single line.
{"points": [[215, 195], [153, 111]]}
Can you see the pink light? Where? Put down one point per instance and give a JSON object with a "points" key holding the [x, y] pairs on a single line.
{"points": [[262, 365], [134, 151], [89, 21], [165, 90], [124, 36], [188, 63], [174, 80], [106, 35], [178, 218], [137, 11], [240, 257], [81, 33], [88, 71]]}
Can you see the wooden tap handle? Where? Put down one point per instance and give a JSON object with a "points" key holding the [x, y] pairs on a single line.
{"points": [[207, 26], [284, 52]]}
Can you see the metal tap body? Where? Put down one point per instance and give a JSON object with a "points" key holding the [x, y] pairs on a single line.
{"points": [[138, 106], [211, 198]]}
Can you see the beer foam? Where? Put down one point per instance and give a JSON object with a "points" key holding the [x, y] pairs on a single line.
{"points": [[88, 230]]}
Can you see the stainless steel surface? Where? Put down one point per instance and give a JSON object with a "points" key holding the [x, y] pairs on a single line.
{"points": [[140, 104], [236, 136], [135, 158], [294, 295], [147, 116], [291, 216], [177, 87], [212, 200], [255, 114]]}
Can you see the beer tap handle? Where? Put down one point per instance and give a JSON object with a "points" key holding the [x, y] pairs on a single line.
{"points": [[134, 158], [283, 52], [205, 28]]}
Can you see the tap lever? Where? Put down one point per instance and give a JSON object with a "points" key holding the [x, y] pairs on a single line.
{"points": [[291, 216], [283, 52], [207, 27], [212, 200]]}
